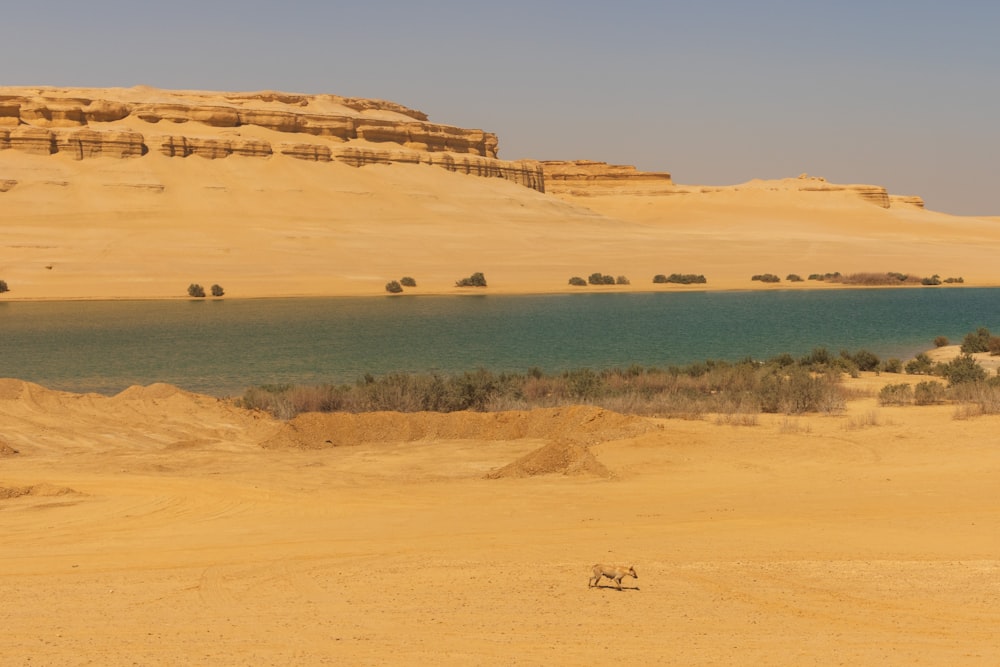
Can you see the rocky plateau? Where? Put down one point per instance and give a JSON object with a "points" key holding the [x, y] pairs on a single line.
{"points": [[130, 123]]}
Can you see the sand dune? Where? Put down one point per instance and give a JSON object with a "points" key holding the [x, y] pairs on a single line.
{"points": [[154, 527]]}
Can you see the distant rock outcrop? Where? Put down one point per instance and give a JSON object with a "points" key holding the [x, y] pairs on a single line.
{"points": [[584, 177], [81, 122]]}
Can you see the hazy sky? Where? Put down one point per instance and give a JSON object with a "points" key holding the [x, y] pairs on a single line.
{"points": [[904, 94]]}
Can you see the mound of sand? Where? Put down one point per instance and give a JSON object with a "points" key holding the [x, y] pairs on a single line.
{"points": [[560, 457], [577, 424]]}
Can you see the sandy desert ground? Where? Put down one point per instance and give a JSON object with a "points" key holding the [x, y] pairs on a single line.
{"points": [[158, 527]]}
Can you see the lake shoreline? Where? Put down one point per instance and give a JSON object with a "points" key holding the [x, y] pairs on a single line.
{"points": [[499, 291]]}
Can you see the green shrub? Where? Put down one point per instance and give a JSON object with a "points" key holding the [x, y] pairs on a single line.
{"points": [[818, 359], [796, 390], [892, 366], [920, 365], [962, 369], [793, 278], [659, 278], [832, 277], [896, 394], [475, 280], [766, 278], [196, 290], [686, 278], [976, 341], [407, 281], [393, 287], [941, 341], [621, 280], [577, 281], [865, 360], [950, 281], [933, 280], [217, 290], [994, 345], [928, 393], [598, 278]]}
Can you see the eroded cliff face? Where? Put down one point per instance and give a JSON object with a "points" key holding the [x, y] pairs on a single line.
{"points": [[130, 123]]}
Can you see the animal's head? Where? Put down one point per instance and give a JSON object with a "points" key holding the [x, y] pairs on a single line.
{"points": [[631, 571]]}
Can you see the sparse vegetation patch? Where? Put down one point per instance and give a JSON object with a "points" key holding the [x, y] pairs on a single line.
{"points": [[766, 278], [475, 280], [680, 278]]}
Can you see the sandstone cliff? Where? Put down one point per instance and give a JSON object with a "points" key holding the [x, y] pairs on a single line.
{"points": [[128, 123], [585, 178]]}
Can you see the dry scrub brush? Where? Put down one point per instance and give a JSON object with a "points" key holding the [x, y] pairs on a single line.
{"points": [[735, 391]]}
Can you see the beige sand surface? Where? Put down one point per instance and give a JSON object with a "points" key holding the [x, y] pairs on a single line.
{"points": [[154, 528]]}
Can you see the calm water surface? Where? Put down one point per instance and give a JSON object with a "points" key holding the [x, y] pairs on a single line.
{"points": [[221, 347]]}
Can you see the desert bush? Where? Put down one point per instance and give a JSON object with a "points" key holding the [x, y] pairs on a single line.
{"points": [[950, 281], [865, 360], [475, 280], [217, 290], [798, 390], [976, 341], [598, 278], [621, 280], [407, 281], [819, 359], [393, 287], [892, 366], [196, 290], [928, 393], [978, 398], [680, 278], [993, 346], [920, 365], [736, 391], [896, 394], [577, 281], [766, 278], [941, 341], [793, 278], [3, 286], [961, 369], [832, 277], [875, 279], [932, 280]]}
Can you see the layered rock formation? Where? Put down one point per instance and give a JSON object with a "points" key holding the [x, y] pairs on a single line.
{"points": [[585, 178], [130, 123]]}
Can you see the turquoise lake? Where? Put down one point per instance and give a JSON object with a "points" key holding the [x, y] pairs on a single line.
{"points": [[220, 347]]}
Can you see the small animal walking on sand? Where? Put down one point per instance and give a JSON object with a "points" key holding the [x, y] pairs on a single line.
{"points": [[613, 572]]}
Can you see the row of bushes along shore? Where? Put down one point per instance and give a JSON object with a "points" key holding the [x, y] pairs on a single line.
{"points": [[740, 390]]}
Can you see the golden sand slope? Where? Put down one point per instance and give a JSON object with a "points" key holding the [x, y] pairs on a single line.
{"points": [[156, 530], [275, 225]]}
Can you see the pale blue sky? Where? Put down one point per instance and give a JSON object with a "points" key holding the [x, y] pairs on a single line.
{"points": [[901, 94]]}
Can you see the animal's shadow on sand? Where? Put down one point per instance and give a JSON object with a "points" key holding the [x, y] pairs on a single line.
{"points": [[616, 589]]}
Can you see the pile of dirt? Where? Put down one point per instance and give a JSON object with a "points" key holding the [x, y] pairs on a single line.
{"points": [[560, 457], [582, 425]]}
